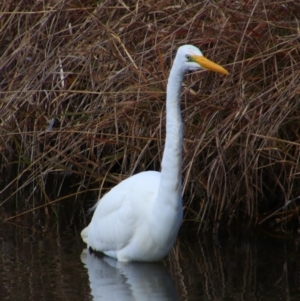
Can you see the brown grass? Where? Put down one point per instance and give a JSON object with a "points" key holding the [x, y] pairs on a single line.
{"points": [[83, 103]]}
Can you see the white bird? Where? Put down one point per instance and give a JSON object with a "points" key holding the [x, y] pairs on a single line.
{"points": [[139, 219]]}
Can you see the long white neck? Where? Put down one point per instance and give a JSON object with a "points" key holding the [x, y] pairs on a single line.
{"points": [[172, 158], [167, 207]]}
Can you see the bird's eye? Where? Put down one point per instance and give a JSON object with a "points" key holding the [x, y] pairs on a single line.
{"points": [[188, 58]]}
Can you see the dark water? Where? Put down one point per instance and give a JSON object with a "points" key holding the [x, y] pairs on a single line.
{"points": [[51, 266]]}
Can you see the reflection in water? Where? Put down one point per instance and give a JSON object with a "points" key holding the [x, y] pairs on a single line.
{"points": [[40, 265], [252, 268], [37, 265], [114, 280]]}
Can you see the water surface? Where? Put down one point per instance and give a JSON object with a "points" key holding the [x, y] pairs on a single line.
{"points": [[52, 265]]}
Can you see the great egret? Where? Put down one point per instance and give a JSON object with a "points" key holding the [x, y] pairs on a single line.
{"points": [[138, 220]]}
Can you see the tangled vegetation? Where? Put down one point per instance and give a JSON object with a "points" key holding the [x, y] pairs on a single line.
{"points": [[83, 105]]}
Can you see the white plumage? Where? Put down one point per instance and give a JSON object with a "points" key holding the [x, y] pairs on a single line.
{"points": [[138, 220]]}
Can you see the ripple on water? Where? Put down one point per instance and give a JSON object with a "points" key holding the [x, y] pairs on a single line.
{"points": [[50, 266]]}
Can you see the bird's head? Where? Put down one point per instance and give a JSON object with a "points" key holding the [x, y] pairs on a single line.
{"points": [[191, 59]]}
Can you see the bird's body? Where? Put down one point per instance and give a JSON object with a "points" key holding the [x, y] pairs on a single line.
{"points": [[129, 222], [138, 220]]}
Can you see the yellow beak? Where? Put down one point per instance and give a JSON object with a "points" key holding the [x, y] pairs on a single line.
{"points": [[209, 65]]}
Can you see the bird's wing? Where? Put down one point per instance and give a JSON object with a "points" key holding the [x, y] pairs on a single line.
{"points": [[121, 212]]}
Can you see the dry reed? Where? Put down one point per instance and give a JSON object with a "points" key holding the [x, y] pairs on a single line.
{"points": [[83, 101]]}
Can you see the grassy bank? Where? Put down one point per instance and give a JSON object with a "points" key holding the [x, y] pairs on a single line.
{"points": [[83, 105]]}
